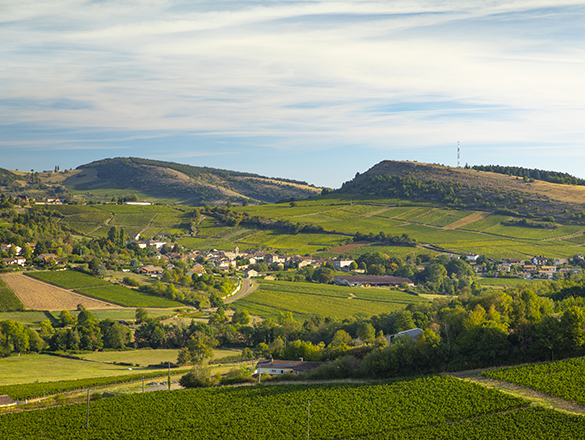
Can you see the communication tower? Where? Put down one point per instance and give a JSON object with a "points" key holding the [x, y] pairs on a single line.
{"points": [[458, 155]]}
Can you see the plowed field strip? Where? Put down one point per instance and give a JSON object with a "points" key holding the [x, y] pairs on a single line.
{"points": [[472, 218], [37, 295]]}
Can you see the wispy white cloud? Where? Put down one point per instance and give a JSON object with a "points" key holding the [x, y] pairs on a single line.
{"points": [[298, 75]]}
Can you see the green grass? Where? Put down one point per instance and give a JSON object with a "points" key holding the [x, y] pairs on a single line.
{"points": [[68, 279], [144, 358], [44, 368], [307, 299], [31, 318], [120, 314], [127, 297], [8, 300]]}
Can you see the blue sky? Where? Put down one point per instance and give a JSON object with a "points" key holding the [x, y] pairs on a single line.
{"points": [[311, 90]]}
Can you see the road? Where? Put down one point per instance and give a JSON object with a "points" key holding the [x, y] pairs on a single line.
{"points": [[247, 288]]}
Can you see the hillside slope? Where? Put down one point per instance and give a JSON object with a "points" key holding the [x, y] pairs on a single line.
{"points": [[194, 185], [469, 188]]}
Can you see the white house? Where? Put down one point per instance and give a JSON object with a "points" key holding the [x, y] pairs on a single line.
{"points": [[275, 367]]}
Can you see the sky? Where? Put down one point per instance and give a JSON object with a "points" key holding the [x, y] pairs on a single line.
{"points": [[308, 90]]}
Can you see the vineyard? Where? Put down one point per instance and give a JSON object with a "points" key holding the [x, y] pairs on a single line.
{"points": [[127, 297], [8, 300], [564, 379], [305, 300], [103, 290], [265, 412], [68, 279], [428, 223]]}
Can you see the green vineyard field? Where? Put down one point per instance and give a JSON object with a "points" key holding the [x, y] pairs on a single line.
{"points": [[269, 412], [564, 379]]}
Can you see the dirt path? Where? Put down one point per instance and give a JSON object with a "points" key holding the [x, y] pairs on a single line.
{"points": [[479, 215], [535, 397], [37, 295]]}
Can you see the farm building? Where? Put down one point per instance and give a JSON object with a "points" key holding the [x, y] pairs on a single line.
{"points": [[370, 281], [412, 333], [6, 401], [151, 270], [278, 367]]}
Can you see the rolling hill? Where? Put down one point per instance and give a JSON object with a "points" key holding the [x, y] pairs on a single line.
{"points": [[471, 189], [191, 185]]}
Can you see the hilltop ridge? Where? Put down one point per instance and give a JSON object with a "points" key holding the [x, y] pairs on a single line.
{"points": [[470, 188], [194, 185]]}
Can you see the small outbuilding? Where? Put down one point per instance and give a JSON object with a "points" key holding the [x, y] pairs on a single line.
{"points": [[6, 401], [411, 333]]}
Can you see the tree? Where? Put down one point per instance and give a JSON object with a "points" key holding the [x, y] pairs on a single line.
{"points": [[141, 315], [366, 332], [198, 377], [435, 273], [241, 317], [341, 337], [572, 323], [198, 350], [17, 338], [323, 275]]}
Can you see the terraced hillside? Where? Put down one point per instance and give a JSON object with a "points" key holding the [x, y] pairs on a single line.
{"points": [[435, 226]]}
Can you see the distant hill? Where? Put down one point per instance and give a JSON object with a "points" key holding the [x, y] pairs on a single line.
{"points": [[193, 185], [7, 177], [470, 188]]}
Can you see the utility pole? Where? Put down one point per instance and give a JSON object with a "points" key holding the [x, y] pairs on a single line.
{"points": [[169, 381], [308, 417], [143, 384], [87, 422]]}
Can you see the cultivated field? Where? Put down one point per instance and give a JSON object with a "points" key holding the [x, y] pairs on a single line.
{"points": [[8, 300], [37, 295], [306, 299], [564, 379], [455, 231], [426, 408]]}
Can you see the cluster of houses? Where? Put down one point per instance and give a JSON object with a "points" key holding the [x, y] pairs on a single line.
{"points": [[536, 267]]}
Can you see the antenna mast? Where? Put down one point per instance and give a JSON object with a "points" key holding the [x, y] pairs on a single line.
{"points": [[458, 155]]}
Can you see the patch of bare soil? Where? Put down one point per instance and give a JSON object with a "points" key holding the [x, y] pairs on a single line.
{"points": [[37, 295], [348, 247], [476, 216]]}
